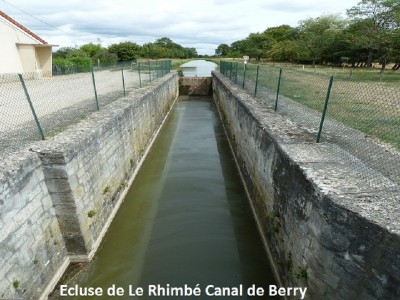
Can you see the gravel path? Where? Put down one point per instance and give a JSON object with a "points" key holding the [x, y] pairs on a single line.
{"points": [[58, 102]]}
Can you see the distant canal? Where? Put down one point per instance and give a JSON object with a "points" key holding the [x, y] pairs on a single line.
{"points": [[198, 68], [185, 222]]}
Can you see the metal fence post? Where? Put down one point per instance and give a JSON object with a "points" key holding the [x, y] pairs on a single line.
{"points": [[123, 80], [278, 88], [244, 75], [150, 71], [156, 63], [21, 79], [95, 91], [236, 72], [256, 86], [140, 77], [328, 95]]}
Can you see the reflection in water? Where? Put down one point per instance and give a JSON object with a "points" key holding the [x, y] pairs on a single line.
{"points": [[198, 68], [186, 219]]}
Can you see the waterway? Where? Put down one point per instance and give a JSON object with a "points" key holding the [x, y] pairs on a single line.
{"points": [[198, 68], [186, 218]]}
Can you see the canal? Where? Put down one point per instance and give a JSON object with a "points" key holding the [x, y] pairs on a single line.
{"points": [[186, 220], [198, 68]]}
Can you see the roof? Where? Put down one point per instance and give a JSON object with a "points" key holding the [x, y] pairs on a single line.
{"points": [[23, 28]]}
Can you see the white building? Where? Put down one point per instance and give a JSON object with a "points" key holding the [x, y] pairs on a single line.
{"points": [[22, 51]]}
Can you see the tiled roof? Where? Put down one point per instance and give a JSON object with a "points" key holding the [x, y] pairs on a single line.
{"points": [[23, 28]]}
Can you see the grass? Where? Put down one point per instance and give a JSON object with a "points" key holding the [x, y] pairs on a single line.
{"points": [[366, 101], [176, 63]]}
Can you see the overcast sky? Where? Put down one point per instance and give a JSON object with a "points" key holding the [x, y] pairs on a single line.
{"points": [[201, 24]]}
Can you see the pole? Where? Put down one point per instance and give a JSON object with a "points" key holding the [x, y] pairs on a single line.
{"points": [[140, 78], [123, 80], [150, 71], [21, 79], [244, 75], [255, 88], [236, 72], [278, 89], [95, 91], [328, 95], [156, 69]]}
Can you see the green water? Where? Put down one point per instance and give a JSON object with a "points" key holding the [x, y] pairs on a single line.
{"points": [[185, 220]]}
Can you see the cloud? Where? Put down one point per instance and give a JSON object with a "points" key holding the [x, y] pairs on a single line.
{"points": [[201, 24]]}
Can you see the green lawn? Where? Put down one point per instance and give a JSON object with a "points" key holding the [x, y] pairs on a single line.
{"points": [[366, 100]]}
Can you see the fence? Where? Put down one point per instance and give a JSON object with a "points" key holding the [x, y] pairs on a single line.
{"points": [[37, 106], [359, 116]]}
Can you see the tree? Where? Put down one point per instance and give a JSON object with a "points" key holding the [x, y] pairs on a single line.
{"points": [[287, 50], [125, 51], [394, 54], [91, 49], [374, 20], [223, 50], [68, 59], [191, 52], [281, 33], [317, 34], [256, 45], [103, 56], [165, 43], [62, 52], [166, 48], [81, 63], [238, 48], [174, 50]]}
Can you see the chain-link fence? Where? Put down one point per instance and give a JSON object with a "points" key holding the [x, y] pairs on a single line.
{"points": [[358, 114], [37, 106]]}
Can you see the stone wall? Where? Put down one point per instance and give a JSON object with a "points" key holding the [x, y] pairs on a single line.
{"points": [[31, 243], [58, 199], [323, 227], [87, 167]]}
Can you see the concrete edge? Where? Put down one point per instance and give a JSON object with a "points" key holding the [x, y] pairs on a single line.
{"points": [[122, 195], [65, 148], [342, 192], [253, 210], [331, 223]]}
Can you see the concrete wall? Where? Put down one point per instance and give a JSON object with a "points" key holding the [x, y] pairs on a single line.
{"points": [[44, 58], [32, 249], [195, 86], [27, 54], [58, 200], [21, 52], [10, 60], [324, 228]]}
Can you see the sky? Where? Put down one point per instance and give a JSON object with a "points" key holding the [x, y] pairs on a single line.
{"points": [[201, 24]]}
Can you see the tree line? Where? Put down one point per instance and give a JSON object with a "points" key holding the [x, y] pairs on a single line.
{"points": [[84, 57], [370, 33]]}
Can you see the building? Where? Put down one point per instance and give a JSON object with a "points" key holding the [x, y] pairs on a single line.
{"points": [[22, 51]]}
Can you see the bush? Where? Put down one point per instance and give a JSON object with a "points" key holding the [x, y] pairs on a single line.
{"points": [[71, 65], [82, 64]]}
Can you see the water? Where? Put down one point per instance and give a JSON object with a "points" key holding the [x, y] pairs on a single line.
{"points": [[186, 219], [198, 68]]}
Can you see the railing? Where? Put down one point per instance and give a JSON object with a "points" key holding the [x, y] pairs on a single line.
{"points": [[360, 116], [36, 107]]}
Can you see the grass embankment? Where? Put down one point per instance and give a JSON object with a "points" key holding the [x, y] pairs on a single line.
{"points": [[362, 99]]}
